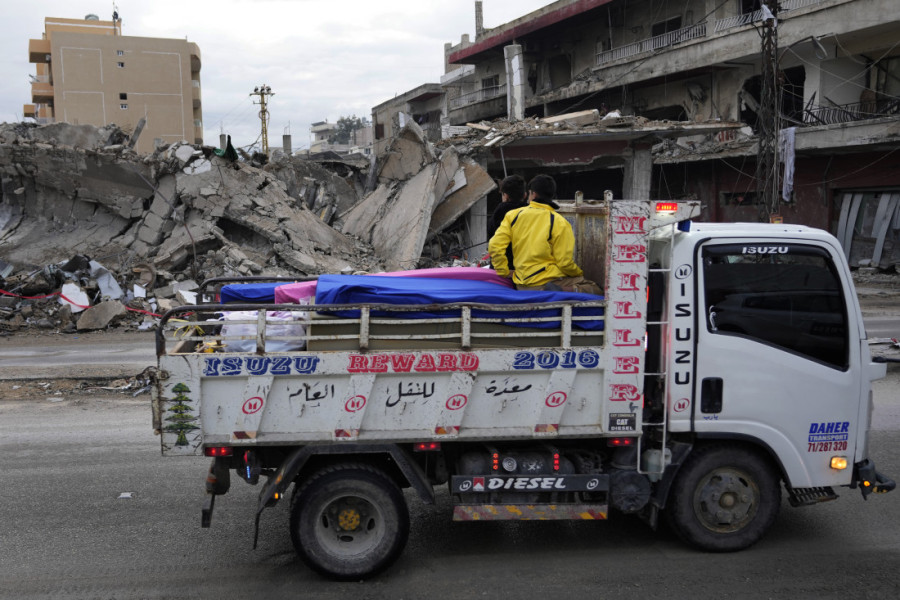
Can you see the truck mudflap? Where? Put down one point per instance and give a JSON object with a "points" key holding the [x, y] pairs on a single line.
{"points": [[869, 480]]}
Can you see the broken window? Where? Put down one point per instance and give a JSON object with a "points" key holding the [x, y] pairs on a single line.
{"points": [[791, 101], [667, 26], [749, 6], [666, 113], [490, 87], [738, 199], [560, 71], [379, 131], [792, 94]]}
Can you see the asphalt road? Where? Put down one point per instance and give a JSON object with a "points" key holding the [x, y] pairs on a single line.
{"points": [[92, 510]]}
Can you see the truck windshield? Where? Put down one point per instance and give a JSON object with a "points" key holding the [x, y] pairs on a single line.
{"points": [[785, 295]]}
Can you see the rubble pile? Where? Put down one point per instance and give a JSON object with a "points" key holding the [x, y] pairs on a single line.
{"points": [[180, 213], [419, 195], [94, 235]]}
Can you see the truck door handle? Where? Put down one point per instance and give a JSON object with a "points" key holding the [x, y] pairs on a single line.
{"points": [[712, 318], [711, 395]]}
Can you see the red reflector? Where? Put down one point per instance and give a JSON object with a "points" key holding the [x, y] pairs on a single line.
{"points": [[217, 451], [427, 447], [623, 441], [666, 207]]}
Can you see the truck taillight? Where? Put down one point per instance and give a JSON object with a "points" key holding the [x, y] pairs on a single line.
{"points": [[620, 441], [495, 462], [556, 461], [666, 207], [217, 451], [427, 447]]}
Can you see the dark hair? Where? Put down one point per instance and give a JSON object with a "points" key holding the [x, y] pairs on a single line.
{"points": [[543, 186], [514, 187]]}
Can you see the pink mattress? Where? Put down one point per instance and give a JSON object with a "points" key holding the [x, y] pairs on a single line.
{"points": [[302, 291]]}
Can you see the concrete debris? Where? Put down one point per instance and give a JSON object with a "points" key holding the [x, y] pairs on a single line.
{"points": [[406, 155], [419, 194], [478, 184], [501, 132], [182, 213], [101, 315]]}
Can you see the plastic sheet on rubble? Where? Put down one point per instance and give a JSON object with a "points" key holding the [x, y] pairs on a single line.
{"points": [[249, 292], [363, 289]]}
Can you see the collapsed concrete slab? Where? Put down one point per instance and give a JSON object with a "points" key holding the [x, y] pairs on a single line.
{"points": [[478, 184], [322, 191], [406, 155]]}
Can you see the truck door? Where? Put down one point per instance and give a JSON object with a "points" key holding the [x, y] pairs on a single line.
{"points": [[777, 355]]}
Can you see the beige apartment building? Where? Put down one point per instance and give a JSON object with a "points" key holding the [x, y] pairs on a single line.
{"points": [[87, 72]]}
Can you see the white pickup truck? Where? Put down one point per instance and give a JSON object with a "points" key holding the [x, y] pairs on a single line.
{"points": [[731, 359]]}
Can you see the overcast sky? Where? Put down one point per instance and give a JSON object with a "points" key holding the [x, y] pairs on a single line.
{"points": [[322, 58]]}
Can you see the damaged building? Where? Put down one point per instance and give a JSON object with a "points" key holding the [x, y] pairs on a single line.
{"points": [[681, 69]]}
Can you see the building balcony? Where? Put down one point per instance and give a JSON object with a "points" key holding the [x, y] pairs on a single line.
{"points": [[39, 51], [29, 111], [477, 96], [195, 57], [195, 92], [693, 32], [848, 113], [653, 44], [41, 92]]}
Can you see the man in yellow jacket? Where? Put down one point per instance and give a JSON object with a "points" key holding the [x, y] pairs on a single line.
{"points": [[543, 245]]}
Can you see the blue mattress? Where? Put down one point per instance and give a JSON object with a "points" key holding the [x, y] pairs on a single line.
{"points": [[249, 292], [359, 289]]}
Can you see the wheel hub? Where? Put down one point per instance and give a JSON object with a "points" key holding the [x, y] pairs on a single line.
{"points": [[349, 519], [725, 500]]}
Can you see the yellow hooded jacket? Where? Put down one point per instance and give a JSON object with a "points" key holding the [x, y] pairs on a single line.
{"points": [[543, 246]]}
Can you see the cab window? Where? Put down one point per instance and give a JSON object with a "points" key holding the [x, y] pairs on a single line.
{"points": [[784, 295]]}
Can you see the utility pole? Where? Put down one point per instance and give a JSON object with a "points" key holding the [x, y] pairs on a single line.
{"points": [[263, 91], [768, 173]]}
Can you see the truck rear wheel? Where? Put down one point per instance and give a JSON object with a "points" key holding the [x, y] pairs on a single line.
{"points": [[724, 499], [349, 521]]}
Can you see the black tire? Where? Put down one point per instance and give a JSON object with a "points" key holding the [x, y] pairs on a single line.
{"points": [[724, 499], [349, 521]]}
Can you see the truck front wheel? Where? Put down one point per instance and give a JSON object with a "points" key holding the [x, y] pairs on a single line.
{"points": [[724, 499], [349, 521]]}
